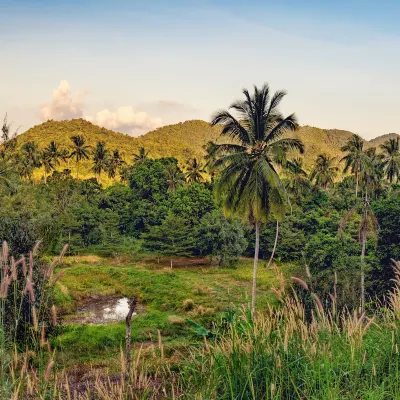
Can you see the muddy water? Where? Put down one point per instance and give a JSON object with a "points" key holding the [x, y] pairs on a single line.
{"points": [[104, 311]]}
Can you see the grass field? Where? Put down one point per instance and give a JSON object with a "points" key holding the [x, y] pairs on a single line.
{"points": [[192, 290]]}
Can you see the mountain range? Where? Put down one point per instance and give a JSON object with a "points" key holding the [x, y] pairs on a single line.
{"points": [[184, 140]]}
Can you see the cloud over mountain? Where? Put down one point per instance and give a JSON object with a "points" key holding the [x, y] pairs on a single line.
{"points": [[63, 105], [125, 119]]}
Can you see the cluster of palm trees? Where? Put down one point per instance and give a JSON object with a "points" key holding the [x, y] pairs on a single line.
{"points": [[255, 177]]}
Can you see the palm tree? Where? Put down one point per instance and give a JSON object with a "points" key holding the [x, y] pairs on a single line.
{"points": [[368, 223], [324, 172], [298, 184], [141, 156], [391, 162], [48, 163], [356, 158], [249, 184], [80, 151], [100, 159], [211, 149], [6, 172], [194, 171], [115, 163], [174, 177]]}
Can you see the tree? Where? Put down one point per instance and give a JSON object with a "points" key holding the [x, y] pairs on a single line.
{"points": [[174, 177], [298, 184], [324, 172], [194, 171], [356, 157], [368, 224], [31, 158], [219, 238], [100, 159], [48, 164], [80, 151], [172, 238], [115, 163], [249, 184], [211, 149], [391, 161], [141, 156]]}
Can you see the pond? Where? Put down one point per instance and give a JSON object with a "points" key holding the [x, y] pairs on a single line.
{"points": [[104, 311]]}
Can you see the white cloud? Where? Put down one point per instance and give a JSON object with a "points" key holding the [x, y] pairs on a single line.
{"points": [[126, 120], [63, 104]]}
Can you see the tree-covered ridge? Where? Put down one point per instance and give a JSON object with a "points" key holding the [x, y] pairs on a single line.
{"points": [[183, 141]]}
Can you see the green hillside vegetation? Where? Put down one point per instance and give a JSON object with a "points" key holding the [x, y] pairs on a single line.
{"points": [[183, 141]]}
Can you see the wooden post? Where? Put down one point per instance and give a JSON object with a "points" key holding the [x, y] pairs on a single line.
{"points": [[128, 338]]}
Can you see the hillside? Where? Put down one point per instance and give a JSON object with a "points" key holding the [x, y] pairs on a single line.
{"points": [[183, 140]]}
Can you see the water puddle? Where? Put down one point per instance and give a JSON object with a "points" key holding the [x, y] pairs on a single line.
{"points": [[104, 311]]}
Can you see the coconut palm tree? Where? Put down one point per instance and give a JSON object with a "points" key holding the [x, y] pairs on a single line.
{"points": [[100, 159], [368, 226], [249, 184], [391, 161], [211, 149], [115, 163], [79, 151], [48, 162], [298, 183], [174, 177], [141, 156], [325, 171], [356, 158], [194, 171]]}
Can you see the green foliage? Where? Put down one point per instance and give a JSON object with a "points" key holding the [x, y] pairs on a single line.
{"points": [[172, 238], [220, 238]]}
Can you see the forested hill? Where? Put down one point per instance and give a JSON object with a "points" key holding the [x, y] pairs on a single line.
{"points": [[183, 140]]}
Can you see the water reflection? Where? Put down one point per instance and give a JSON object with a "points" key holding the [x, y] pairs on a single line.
{"points": [[102, 311]]}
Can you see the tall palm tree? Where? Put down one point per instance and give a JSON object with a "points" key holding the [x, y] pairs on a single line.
{"points": [[194, 171], [100, 159], [115, 163], [48, 163], [391, 161], [325, 171], [356, 158], [79, 151], [174, 177], [368, 223], [299, 183], [249, 183], [141, 156], [211, 149]]}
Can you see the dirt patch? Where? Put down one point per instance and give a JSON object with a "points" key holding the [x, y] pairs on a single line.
{"points": [[104, 311]]}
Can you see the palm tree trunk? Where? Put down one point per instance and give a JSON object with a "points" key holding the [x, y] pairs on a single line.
{"points": [[275, 244], [254, 287], [77, 170], [356, 184], [363, 273]]}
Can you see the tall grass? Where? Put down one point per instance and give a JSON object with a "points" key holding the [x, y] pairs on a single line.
{"points": [[287, 352]]}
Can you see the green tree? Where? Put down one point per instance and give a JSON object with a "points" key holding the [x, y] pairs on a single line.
{"points": [[48, 163], [100, 159], [391, 161], [115, 163], [79, 151], [172, 238], [356, 158], [211, 156], [298, 183], [249, 184], [194, 171], [140, 157], [174, 177], [325, 171], [221, 239]]}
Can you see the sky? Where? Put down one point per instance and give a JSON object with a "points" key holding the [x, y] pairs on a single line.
{"points": [[133, 66]]}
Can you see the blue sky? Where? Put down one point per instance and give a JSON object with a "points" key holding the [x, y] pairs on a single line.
{"points": [[135, 65]]}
